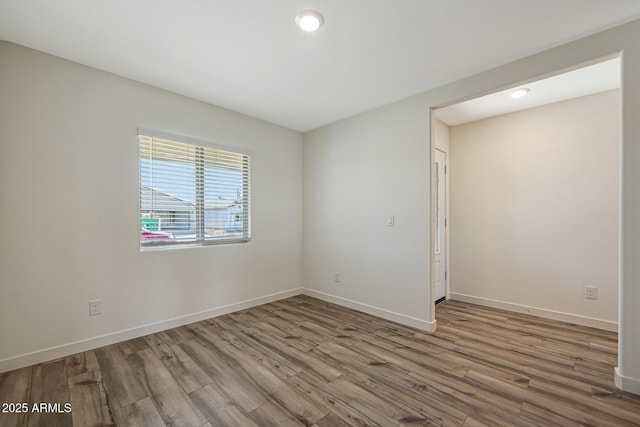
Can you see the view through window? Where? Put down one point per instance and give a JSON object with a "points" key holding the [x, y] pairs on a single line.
{"points": [[191, 194]]}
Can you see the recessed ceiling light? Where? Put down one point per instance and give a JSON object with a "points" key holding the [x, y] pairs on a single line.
{"points": [[309, 20], [519, 93]]}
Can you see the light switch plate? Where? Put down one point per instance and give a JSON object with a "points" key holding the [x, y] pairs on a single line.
{"points": [[391, 220]]}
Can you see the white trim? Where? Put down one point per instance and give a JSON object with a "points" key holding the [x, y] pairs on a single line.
{"points": [[64, 350], [191, 140], [631, 385], [577, 319], [375, 311]]}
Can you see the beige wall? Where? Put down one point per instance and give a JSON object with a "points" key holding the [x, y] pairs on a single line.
{"points": [[441, 135], [69, 209], [357, 172], [535, 208]]}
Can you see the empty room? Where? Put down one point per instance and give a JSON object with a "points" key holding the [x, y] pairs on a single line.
{"points": [[243, 213]]}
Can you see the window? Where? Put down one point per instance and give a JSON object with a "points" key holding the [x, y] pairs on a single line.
{"points": [[191, 194]]}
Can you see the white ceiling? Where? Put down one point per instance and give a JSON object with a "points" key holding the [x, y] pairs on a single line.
{"points": [[248, 56], [573, 84]]}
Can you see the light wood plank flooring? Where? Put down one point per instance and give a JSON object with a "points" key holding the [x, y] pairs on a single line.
{"points": [[301, 361]]}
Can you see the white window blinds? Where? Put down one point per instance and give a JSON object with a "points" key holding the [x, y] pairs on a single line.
{"points": [[191, 194]]}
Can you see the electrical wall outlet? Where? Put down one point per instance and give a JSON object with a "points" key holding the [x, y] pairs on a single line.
{"points": [[336, 277], [591, 292], [95, 307]]}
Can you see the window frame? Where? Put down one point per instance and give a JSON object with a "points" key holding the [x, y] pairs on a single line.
{"points": [[200, 147]]}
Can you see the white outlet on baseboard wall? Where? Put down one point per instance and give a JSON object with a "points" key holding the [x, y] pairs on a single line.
{"points": [[336, 277], [95, 307], [591, 292]]}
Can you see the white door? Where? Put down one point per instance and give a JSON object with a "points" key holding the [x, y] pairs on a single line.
{"points": [[440, 237]]}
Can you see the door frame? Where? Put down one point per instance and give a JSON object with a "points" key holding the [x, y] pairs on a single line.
{"points": [[441, 145]]}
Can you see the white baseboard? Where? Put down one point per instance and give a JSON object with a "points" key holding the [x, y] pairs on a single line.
{"points": [[541, 312], [64, 350], [375, 311], [632, 385]]}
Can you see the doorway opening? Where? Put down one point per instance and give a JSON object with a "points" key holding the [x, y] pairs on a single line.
{"points": [[531, 214]]}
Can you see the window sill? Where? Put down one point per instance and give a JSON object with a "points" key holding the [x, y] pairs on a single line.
{"points": [[168, 247]]}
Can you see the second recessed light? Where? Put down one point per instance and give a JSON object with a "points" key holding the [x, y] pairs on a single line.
{"points": [[519, 93]]}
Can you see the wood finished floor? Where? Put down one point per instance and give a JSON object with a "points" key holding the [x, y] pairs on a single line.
{"points": [[301, 361]]}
